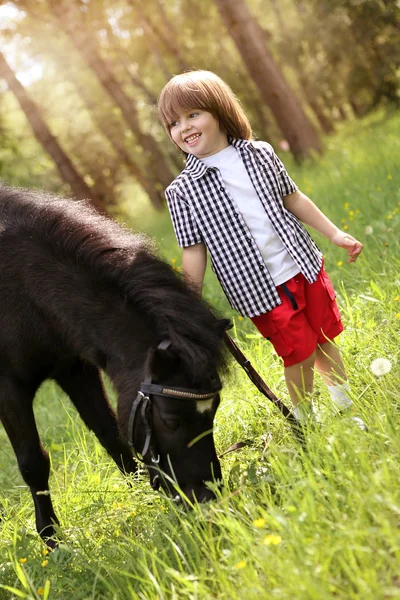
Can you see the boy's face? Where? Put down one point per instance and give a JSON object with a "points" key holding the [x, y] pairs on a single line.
{"points": [[197, 132]]}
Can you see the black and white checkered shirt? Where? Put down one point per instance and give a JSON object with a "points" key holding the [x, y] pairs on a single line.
{"points": [[203, 211]]}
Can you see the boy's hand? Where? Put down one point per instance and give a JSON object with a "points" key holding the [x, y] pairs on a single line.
{"points": [[346, 241]]}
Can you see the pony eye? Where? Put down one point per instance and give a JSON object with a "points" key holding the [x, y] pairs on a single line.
{"points": [[172, 422]]}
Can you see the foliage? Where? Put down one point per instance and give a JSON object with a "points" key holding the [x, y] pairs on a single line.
{"points": [[341, 58], [307, 523]]}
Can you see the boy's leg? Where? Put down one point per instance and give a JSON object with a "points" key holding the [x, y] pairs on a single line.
{"points": [[300, 382], [329, 364]]}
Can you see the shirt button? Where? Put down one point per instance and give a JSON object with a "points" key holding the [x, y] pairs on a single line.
{"points": [[235, 214], [222, 189], [249, 239], [262, 267]]}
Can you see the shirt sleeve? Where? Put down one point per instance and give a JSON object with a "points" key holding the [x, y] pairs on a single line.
{"points": [[185, 227], [286, 183]]}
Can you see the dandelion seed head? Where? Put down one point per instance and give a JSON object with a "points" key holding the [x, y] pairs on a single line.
{"points": [[380, 366], [368, 230]]}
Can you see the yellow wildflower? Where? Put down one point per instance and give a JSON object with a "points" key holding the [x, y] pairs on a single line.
{"points": [[259, 523], [351, 213], [240, 318], [378, 187], [345, 227], [40, 591], [45, 552], [45, 563], [389, 176], [398, 316], [339, 263], [22, 560], [272, 539], [346, 205], [397, 298], [240, 565]]}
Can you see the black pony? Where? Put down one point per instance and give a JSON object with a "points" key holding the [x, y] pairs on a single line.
{"points": [[78, 293]]}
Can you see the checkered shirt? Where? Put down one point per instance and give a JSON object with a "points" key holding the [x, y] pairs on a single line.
{"points": [[203, 211]]}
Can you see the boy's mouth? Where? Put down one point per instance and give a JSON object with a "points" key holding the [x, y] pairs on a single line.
{"points": [[192, 138]]}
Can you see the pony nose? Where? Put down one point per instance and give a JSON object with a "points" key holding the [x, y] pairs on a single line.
{"points": [[197, 492]]}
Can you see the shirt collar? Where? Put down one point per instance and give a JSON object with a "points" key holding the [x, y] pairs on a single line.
{"points": [[197, 168]]}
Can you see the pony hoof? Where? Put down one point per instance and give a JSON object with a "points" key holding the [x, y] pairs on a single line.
{"points": [[51, 543]]}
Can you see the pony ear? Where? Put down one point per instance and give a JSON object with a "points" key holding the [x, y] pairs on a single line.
{"points": [[162, 358], [224, 325]]}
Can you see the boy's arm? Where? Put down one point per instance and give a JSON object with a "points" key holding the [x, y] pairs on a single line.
{"points": [[194, 262], [305, 210]]}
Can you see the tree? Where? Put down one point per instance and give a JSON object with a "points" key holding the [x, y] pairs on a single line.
{"points": [[249, 39], [69, 18], [46, 138]]}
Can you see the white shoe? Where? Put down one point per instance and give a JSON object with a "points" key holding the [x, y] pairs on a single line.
{"points": [[359, 422]]}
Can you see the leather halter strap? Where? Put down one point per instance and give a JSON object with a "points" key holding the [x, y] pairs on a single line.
{"points": [[177, 392]]}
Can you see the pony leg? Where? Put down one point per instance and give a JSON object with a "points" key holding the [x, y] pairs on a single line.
{"points": [[82, 382], [17, 416]]}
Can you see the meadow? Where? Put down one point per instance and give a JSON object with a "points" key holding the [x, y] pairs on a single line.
{"points": [[320, 521]]}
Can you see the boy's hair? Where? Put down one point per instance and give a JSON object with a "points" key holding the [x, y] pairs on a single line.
{"points": [[207, 91]]}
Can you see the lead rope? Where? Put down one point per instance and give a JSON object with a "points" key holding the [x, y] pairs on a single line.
{"points": [[257, 380]]}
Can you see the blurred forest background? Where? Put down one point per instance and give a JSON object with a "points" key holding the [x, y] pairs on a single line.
{"points": [[79, 81]]}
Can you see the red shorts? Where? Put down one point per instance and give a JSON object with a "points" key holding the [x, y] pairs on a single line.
{"points": [[295, 333]]}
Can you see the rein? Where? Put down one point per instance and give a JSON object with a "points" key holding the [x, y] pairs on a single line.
{"points": [[257, 380]]}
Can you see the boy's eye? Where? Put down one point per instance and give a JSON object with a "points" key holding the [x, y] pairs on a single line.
{"points": [[193, 114], [173, 124]]}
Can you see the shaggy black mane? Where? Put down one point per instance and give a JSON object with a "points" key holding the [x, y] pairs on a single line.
{"points": [[72, 230]]}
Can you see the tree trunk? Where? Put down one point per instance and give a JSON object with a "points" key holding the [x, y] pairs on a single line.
{"points": [[47, 140], [249, 39], [165, 34], [325, 123], [86, 45], [116, 140]]}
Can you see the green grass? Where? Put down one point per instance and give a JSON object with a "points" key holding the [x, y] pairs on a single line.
{"points": [[319, 522]]}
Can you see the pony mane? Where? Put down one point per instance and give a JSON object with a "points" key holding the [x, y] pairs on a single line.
{"points": [[76, 232]]}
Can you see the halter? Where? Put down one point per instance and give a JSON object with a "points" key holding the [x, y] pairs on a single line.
{"points": [[143, 403]]}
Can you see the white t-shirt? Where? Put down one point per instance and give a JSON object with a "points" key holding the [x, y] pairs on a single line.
{"points": [[238, 183]]}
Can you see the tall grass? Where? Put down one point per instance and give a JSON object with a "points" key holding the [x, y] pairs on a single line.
{"points": [[314, 522]]}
